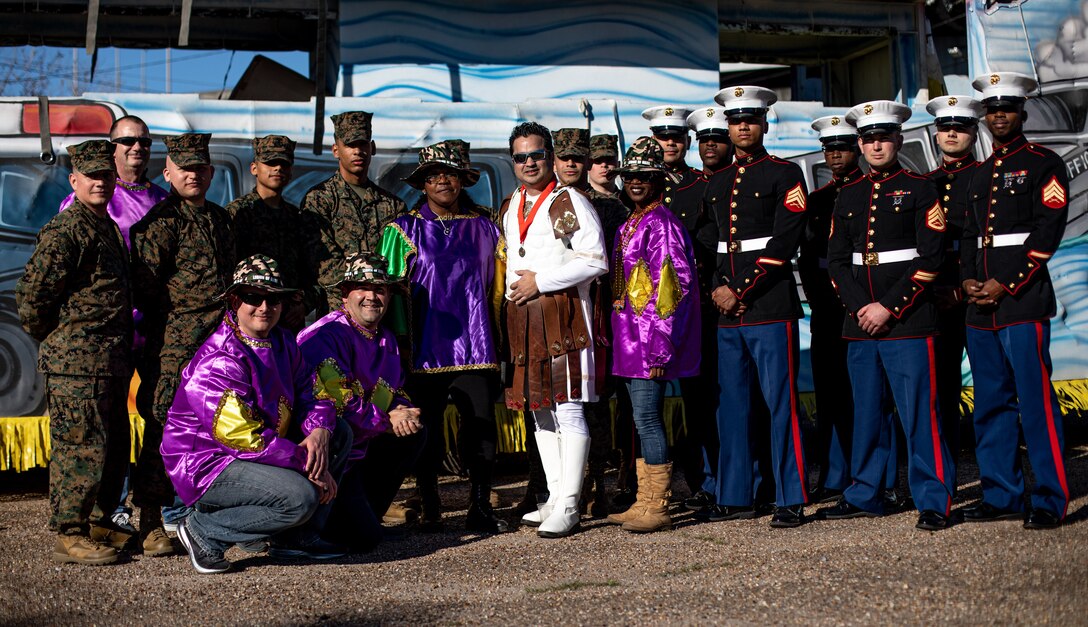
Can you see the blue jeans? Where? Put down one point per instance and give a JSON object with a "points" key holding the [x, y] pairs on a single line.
{"points": [[647, 403], [250, 501]]}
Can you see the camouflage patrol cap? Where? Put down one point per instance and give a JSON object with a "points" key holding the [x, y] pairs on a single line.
{"points": [[94, 155], [645, 155], [571, 142], [352, 126], [260, 272], [273, 148], [453, 154], [188, 149], [602, 146], [366, 267]]}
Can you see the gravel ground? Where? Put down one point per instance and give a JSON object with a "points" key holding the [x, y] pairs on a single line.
{"points": [[843, 572]]}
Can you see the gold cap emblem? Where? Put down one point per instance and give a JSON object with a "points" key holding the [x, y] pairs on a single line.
{"points": [[952, 102], [994, 79], [868, 109], [835, 121], [738, 92], [710, 113], [668, 110]]}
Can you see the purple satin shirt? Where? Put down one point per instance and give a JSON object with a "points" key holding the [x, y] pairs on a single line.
{"points": [[234, 401], [129, 204], [355, 373], [658, 322], [451, 266]]}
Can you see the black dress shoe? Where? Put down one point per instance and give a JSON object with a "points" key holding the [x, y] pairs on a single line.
{"points": [[845, 510], [718, 513], [825, 495], [1042, 519], [786, 517], [984, 512], [930, 520], [482, 519], [699, 501]]}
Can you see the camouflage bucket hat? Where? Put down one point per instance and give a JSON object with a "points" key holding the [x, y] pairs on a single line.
{"points": [[188, 149], [645, 155], [352, 126], [571, 142], [260, 272], [95, 155], [452, 153], [601, 146], [273, 148], [367, 267]]}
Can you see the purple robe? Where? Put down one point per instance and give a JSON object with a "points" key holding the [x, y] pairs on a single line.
{"points": [[655, 317], [236, 400], [129, 204], [451, 264], [355, 373]]}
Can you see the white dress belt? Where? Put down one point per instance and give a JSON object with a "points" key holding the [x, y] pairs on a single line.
{"points": [[1000, 241], [884, 256], [743, 245]]}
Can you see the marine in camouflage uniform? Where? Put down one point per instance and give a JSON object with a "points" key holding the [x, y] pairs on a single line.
{"points": [[574, 144], [346, 213], [264, 223], [74, 298], [183, 254], [603, 150]]}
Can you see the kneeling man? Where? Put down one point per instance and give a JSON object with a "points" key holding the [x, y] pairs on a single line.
{"points": [[225, 443]]}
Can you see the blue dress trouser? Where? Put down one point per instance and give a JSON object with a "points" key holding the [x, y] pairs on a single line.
{"points": [[910, 366], [1013, 393], [772, 351]]}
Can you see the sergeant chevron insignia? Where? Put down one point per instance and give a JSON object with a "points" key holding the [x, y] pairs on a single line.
{"points": [[795, 199], [1054, 194], [935, 218]]}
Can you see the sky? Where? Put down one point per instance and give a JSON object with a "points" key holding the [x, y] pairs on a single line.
{"points": [[139, 70]]}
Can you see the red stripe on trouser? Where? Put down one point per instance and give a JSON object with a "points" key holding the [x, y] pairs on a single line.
{"points": [[938, 459], [795, 425], [1055, 450]]}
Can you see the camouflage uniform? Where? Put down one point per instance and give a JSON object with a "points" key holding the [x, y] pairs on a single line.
{"points": [[74, 298], [575, 142], [182, 260], [261, 229], [338, 222]]}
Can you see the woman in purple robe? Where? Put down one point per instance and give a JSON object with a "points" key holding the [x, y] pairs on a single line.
{"points": [[454, 258], [655, 323]]}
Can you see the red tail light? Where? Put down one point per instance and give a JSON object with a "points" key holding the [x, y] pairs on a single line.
{"points": [[69, 119]]}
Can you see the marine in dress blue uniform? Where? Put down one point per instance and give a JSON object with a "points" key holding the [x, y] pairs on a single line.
{"points": [[956, 119], [1018, 209], [830, 379], [756, 223], [886, 247]]}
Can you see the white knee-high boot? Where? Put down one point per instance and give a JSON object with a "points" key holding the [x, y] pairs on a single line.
{"points": [[547, 442], [564, 517]]}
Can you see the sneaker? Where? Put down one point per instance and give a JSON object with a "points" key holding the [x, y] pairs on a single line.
{"points": [[315, 549], [205, 562], [82, 550], [124, 521], [170, 527]]}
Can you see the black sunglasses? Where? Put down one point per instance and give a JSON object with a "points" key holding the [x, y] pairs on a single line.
{"points": [[145, 142], [254, 299], [536, 155]]}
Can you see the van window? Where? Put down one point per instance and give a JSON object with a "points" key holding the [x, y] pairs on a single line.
{"points": [[31, 193]]}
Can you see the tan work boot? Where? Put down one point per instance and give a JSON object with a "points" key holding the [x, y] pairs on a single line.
{"points": [[638, 506], [113, 536], [397, 514], [82, 550], [153, 535], [655, 512]]}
